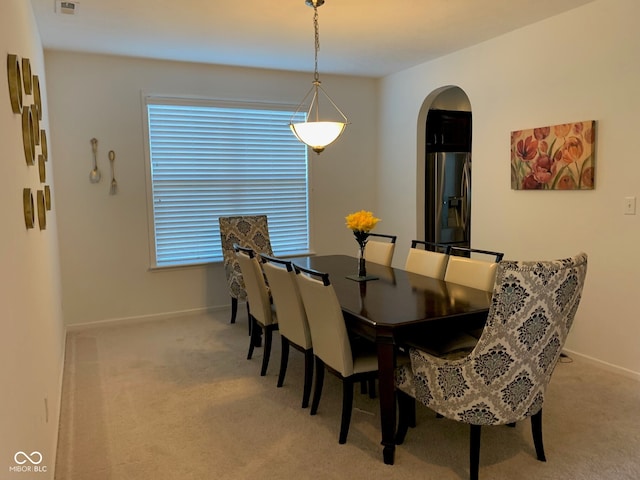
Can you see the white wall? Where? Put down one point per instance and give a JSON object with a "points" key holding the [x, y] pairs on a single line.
{"points": [[580, 65], [30, 310], [104, 239]]}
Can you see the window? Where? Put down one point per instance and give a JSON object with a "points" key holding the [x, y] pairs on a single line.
{"points": [[212, 159]]}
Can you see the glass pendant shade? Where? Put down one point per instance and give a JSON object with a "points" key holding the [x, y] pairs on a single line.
{"points": [[317, 134]]}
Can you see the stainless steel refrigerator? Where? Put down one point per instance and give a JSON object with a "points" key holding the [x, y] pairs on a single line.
{"points": [[448, 198]]}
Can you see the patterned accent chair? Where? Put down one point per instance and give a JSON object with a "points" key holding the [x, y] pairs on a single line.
{"points": [[249, 231], [504, 378]]}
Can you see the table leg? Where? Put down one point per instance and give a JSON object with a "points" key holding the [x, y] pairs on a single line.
{"points": [[386, 365]]}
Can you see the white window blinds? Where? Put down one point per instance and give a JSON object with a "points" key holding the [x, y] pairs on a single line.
{"points": [[211, 160]]}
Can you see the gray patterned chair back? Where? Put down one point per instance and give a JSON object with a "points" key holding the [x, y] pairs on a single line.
{"points": [[504, 379], [249, 231]]}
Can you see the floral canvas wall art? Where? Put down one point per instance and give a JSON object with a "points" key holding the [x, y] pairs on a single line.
{"points": [[559, 157]]}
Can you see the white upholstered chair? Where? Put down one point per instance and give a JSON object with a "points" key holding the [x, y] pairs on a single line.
{"points": [[380, 248], [503, 380], [430, 263], [472, 272], [477, 272], [332, 347], [292, 319], [261, 311]]}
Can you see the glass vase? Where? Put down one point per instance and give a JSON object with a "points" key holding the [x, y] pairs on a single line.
{"points": [[362, 266]]}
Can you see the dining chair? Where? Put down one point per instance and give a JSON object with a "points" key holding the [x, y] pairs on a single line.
{"points": [[250, 231], [380, 251], [262, 314], [430, 261], [503, 380], [332, 348], [292, 318], [475, 272], [472, 272]]}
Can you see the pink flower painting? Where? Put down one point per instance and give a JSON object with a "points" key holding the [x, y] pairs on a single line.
{"points": [[559, 157]]}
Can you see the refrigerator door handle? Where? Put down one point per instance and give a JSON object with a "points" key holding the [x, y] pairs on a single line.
{"points": [[466, 191], [438, 185]]}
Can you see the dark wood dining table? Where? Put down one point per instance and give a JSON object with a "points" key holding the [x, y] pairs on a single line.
{"points": [[393, 309]]}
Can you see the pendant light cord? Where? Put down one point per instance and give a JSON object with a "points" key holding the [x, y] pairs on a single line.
{"points": [[316, 75]]}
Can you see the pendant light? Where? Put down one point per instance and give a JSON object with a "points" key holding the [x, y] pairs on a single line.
{"points": [[315, 132]]}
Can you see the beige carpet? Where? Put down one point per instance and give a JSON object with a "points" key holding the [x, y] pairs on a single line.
{"points": [[177, 399]]}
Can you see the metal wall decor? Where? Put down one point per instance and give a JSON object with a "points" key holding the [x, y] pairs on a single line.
{"points": [[113, 189], [43, 145], [26, 76], [27, 204], [95, 175], [23, 83], [47, 197], [42, 169], [15, 82], [36, 124], [42, 210], [28, 141], [37, 98]]}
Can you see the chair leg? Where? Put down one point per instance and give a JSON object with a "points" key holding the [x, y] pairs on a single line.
{"points": [[363, 387], [268, 338], [284, 360], [474, 452], [317, 391], [372, 387], [412, 414], [257, 342], [368, 386], [252, 339], [308, 377], [234, 309], [536, 430], [406, 404], [347, 406]]}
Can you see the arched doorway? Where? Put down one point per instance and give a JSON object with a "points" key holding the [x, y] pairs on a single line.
{"points": [[444, 153]]}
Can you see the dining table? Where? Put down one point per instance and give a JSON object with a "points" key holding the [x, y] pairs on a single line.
{"points": [[394, 308]]}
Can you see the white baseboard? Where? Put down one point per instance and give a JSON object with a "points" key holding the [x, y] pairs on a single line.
{"points": [[58, 413], [144, 318], [607, 366]]}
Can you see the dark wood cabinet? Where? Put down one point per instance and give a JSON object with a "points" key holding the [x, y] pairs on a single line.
{"points": [[448, 131]]}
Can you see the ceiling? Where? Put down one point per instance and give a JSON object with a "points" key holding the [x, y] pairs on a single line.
{"points": [[370, 38]]}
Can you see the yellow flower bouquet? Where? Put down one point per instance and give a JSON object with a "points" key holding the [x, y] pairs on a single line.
{"points": [[361, 223]]}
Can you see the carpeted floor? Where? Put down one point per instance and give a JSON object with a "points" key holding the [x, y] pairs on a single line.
{"points": [[177, 399]]}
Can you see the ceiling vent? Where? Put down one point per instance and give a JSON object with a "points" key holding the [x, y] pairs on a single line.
{"points": [[66, 7]]}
